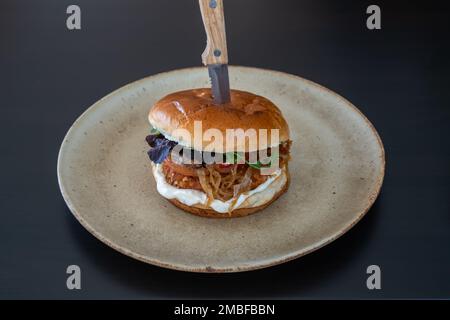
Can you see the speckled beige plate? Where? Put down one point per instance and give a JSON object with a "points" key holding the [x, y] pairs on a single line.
{"points": [[337, 169]]}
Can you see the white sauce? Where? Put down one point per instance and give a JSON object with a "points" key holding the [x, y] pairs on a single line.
{"points": [[255, 197]]}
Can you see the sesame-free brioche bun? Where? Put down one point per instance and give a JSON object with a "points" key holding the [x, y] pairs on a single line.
{"points": [[175, 115]]}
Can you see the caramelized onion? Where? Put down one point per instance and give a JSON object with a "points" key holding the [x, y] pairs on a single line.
{"points": [[244, 185], [205, 185], [224, 181]]}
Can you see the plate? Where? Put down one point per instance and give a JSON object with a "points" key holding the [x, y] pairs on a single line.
{"points": [[105, 177]]}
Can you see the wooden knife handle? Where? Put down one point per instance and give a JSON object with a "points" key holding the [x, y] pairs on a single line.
{"points": [[216, 40]]}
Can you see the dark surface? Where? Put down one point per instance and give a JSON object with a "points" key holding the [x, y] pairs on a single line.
{"points": [[397, 76]]}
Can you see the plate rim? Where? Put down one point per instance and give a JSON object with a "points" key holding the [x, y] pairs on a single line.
{"points": [[208, 269]]}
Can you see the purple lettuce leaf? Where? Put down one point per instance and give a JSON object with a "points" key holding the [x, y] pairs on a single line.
{"points": [[160, 147]]}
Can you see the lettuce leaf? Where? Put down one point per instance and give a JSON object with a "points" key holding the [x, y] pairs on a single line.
{"points": [[160, 147], [236, 157]]}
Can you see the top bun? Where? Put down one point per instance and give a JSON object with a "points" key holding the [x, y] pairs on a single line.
{"points": [[175, 114]]}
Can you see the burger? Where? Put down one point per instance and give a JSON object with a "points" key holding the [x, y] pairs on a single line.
{"points": [[221, 161]]}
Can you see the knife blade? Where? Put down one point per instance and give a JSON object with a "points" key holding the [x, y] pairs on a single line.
{"points": [[220, 83]]}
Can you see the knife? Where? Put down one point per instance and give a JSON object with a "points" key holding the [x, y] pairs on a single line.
{"points": [[215, 55]]}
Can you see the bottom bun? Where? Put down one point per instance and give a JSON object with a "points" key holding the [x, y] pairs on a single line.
{"points": [[199, 210]]}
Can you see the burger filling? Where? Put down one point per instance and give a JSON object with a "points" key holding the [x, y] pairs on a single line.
{"points": [[220, 181]]}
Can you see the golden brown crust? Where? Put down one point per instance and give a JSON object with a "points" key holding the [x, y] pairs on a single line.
{"points": [[210, 213], [180, 110]]}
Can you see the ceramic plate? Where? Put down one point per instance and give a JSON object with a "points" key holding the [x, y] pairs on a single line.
{"points": [[337, 169]]}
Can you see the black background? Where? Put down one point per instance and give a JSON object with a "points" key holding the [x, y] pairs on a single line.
{"points": [[397, 76]]}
